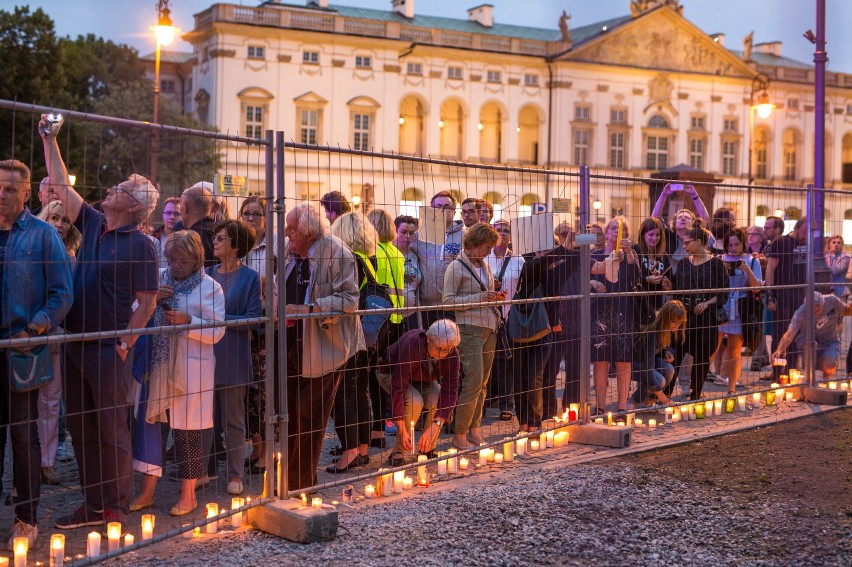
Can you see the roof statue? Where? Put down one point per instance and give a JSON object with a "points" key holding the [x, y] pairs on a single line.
{"points": [[563, 27], [747, 45]]}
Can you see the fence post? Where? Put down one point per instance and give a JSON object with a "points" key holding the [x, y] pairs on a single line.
{"points": [[585, 291], [269, 328], [809, 353]]}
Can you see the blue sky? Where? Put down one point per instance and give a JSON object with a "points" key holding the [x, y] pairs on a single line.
{"points": [[127, 21]]}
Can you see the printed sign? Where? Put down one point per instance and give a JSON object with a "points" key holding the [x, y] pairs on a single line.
{"points": [[433, 225], [532, 234], [230, 185]]}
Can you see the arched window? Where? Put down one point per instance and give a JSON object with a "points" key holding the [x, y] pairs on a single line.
{"points": [[659, 140], [412, 123], [451, 125], [658, 121]]}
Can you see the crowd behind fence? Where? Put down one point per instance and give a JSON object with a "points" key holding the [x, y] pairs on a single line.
{"points": [[436, 318]]}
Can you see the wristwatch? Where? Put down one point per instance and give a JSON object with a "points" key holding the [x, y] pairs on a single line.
{"points": [[439, 422], [32, 331], [122, 345], [311, 307]]}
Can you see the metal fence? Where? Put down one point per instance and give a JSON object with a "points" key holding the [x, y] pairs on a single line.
{"points": [[514, 395]]}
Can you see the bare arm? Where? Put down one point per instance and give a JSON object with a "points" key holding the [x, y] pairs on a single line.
{"points": [[699, 204], [70, 199]]}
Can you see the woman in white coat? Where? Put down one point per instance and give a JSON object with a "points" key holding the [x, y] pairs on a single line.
{"points": [[180, 371]]}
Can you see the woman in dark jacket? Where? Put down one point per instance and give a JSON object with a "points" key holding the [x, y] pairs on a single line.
{"points": [[655, 353]]}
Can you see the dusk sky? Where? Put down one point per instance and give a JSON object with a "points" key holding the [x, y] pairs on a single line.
{"points": [[127, 21]]}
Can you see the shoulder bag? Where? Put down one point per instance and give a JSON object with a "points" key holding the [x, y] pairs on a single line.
{"points": [[31, 369]]}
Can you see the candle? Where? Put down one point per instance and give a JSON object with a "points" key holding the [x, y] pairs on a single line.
{"points": [[534, 445], [691, 412], [263, 491], [609, 414], [788, 397], [542, 440], [316, 503], [113, 536], [599, 420], [387, 480], [21, 545], [652, 424], [304, 498], [832, 385], [463, 463], [93, 544], [699, 411], [669, 415], [196, 531], [784, 379], [398, 477], [442, 464], [498, 458], [730, 404], [422, 473], [618, 241], [575, 410], [57, 550], [4, 561], [188, 534], [708, 408], [779, 394], [508, 450], [676, 415], [770, 398], [560, 439], [407, 483], [453, 462], [521, 446], [638, 422], [413, 444], [369, 491], [212, 512], [549, 439], [237, 519], [129, 540], [821, 385], [279, 470], [741, 403], [630, 418], [755, 400], [844, 385], [147, 526]]}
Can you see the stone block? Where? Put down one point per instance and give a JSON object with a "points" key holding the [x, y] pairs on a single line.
{"points": [[825, 396], [601, 435], [288, 519]]}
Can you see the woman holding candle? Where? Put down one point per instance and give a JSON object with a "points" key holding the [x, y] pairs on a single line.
{"points": [[180, 372], [655, 352], [614, 320], [743, 271], [699, 271], [241, 286], [421, 370], [469, 280]]}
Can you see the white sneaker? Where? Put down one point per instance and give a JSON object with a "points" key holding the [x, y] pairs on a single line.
{"points": [[22, 529], [64, 453], [235, 488], [722, 380]]}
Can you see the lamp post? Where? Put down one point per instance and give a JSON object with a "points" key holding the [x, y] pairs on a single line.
{"points": [[760, 103], [164, 32]]}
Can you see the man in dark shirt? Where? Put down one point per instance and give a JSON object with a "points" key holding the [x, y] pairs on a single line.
{"points": [[116, 267], [196, 203], [786, 265]]}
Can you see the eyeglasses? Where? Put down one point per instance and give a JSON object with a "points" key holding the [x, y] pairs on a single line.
{"points": [[117, 189], [221, 238], [445, 207], [469, 211], [256, 215]]}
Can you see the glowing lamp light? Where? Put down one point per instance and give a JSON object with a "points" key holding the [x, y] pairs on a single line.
{"points": [[596, 205], [164, 30], [440, 123], [764, 106], [779, 213], [480, 126], [402, 120], [356, 200], [72, 179]]}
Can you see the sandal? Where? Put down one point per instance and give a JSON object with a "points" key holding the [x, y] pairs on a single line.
{"points": [[506, 416], [396, 459]]}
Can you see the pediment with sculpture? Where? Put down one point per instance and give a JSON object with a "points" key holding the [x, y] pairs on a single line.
{"points": [[663, 40]]}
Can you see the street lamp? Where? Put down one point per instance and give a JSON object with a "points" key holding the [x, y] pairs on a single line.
{"points": [[165, 33], [759, 103]]}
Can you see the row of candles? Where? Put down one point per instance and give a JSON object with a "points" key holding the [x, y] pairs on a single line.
{"points": [[835, 385], [114, 539]]}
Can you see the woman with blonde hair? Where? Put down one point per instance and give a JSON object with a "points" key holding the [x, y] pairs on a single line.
{"points": [[655, 353]]}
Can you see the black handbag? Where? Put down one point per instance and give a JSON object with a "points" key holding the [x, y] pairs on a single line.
{"points": [[31, 369], [721, 315]]}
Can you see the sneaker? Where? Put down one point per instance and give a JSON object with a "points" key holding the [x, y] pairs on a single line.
{"points": [[235, 488], [82, 516], [49, 475], [64, 453], [22, 529], [390, 427], [113, 515], [722, 380]]}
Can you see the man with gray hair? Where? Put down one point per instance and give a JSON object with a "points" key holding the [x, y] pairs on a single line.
{"points": [[196, 204], [116, 267], [320, 278]]}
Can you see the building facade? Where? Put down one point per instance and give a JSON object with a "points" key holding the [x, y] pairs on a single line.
{"points": [[630, 96]]}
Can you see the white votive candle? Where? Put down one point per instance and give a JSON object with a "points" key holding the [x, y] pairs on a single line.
{"points": [[708, 408], [669, 413], [483, 457], [652, 424], [534, 445], [129, 539], [369, 491], [832, 385], [630, 418], [442, 467], [676, 415], [398, 478], [113, 536], [147, 526], [463, 463], [212, 512], [422, 474], [316, 503], [542, 440], [453, 462], [93, 544], [237, 519], [560, 439], [498, 458], [717, 407], [4, 561], [638, 423], [20, 547], [788, 396], [508, 450], [521, 446], [387, 480], [599, 420], [57, 550], [407, 483], [549, 439], [741, 403]]}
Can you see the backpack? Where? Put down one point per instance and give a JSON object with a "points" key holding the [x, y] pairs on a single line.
{"points": [[374, 295]]}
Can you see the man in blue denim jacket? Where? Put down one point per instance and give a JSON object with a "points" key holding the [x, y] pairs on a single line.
{"points": [[35, 295]]}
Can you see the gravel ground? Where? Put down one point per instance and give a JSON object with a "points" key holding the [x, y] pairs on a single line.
{"points": [[777, 495]]}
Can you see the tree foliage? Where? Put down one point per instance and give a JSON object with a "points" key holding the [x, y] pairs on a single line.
{"points": [[95, 75]]}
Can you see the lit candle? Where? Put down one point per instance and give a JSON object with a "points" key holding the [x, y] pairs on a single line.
{"points": [[549, 438], [844, 385], [508, 450], [387, 480], [316, 503], [618, 238], [129, 540], [609, 414], [57, 550], [573, 412], [369, 491], [669, 414], [676, 415], [21, 546], [413, 444], [453, 462], [560, 439], [498, 458], [442, 465], [784, 379], [93, 544], [4, 561], [832, 385], [770, 398], [147, 526], [188, 534], [788, 397], [638, 423], [821, 385], [407, 483], [196, 531], [599, 420], [521, 446], [279, 469], [652, 424], [398, 477], [113, 536], [542, 440], [755, 400], [691, 412], [708, 408], [490, 454], [422, 473], [237, 519], [630, 418], [730, 404], [463, 463], [699, 411], [534, 445], [779, 394], [741, 403], [263, 488], [212, 512]]}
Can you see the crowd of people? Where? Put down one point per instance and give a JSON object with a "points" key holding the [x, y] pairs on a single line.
{"points": [[192, 389]]}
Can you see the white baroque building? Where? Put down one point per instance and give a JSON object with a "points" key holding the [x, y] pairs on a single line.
{"points": [[632, 96]]}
